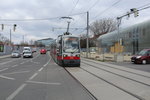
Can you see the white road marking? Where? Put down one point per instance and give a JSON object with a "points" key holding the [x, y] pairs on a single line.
{"points": [[35, 57], [47, 62], [40, 69], [15, 72], [44, 83], [9, 78], [3, 69], [5, 62], [22, 63], [33, 76], [14, 66], [16, 92], [8, 61]]}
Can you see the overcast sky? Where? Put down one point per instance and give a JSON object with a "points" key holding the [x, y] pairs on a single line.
{"points": [[22, 10]]}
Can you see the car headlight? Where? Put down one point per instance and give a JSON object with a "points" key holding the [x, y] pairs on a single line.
{"points": [[138, 57], [65, 55], [78, 55]]}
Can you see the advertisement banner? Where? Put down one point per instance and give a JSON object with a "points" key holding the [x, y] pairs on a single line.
{"points": [[1, 48]]}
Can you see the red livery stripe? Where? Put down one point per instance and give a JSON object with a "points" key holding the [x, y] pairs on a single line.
{"points": [[71, 57], [59, 57]]}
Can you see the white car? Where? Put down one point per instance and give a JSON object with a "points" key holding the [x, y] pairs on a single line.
{"points": [[27, 54], [26, 49]]}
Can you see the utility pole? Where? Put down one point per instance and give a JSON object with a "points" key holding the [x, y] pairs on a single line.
{"points": [[87, 39], [119, 36], [10, 36], [23, 38]]}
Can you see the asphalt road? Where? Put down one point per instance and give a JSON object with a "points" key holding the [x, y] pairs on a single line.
{"points": [[141, 67], [38, 78]]}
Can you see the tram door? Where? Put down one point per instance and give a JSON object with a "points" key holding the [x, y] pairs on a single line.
{"points": [[59, 49]]}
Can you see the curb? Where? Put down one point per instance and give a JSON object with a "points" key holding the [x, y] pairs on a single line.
{"points": [[5, 56]]}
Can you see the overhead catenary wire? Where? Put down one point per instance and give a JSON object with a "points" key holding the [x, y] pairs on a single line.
{"points": [[107, 9], [93, 5], [73, 7], [40, 19]]}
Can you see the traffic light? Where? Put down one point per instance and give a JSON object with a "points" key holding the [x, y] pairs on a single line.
{"points": [[2, 26], [15, 27], [135, 11]]}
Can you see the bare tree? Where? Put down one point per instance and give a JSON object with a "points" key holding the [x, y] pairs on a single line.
{"points": [[31, 42], [103, 26], [3, 39]]}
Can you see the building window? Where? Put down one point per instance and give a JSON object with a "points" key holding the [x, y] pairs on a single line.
{"points": [[143, 33]]}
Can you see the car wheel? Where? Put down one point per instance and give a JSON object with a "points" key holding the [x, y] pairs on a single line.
{"points": [[144, 62]]}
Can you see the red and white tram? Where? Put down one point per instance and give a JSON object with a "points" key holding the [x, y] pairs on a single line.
{"points": [[66, 50]]}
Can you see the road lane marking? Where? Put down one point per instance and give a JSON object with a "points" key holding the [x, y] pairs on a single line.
{"points": [[5, 62], [14, 66], [40, 69], [22, 63], [8, 61], [33, 76], [15, 72], [44, 83], [3, 69], [47, 62], [35, 62], [9, 78], [11, 97], [35, 57]]}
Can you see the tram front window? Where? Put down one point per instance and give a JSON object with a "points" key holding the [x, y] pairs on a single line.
{"points": [[71, 45]]}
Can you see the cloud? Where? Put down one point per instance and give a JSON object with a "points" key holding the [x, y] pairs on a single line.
{"points": [[40, 9]]}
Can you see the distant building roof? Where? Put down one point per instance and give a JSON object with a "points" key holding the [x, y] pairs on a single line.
{"points": [[46, 41]]}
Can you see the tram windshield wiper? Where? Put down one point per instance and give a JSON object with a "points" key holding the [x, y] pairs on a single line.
{"points": [[75, 51]]}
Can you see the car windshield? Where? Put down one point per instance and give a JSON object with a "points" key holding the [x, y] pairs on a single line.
{"points": [[71, 45], [15, 52], [27, 52], [143, 52]]}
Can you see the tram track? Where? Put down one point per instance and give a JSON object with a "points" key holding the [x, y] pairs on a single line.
{"points": [[87, 91], [128, 92], [118, 68], [137, 86], [114, 84], [118, 74]]}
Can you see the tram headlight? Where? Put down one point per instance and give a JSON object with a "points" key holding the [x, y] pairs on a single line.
{"points": [[65, 55], [78, 55]]}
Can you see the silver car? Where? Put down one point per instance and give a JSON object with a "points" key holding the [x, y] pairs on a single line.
{"points": [[15, 54]]}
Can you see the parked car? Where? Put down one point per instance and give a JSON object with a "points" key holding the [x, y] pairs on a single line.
{"points": [[43, 51], [142, 57], [15, 54], [27, 54]]}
